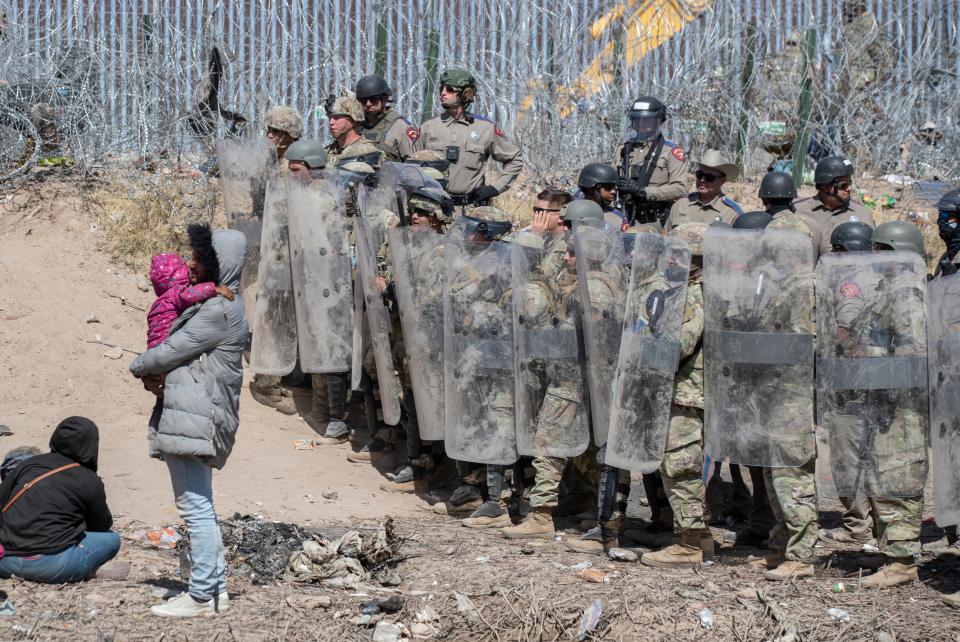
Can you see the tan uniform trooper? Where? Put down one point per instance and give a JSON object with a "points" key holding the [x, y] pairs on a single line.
{"points": [[831, 206], [707, 204], [467, 142]]}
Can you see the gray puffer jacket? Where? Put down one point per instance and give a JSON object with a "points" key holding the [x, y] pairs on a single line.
{"points": [[203, 361]]}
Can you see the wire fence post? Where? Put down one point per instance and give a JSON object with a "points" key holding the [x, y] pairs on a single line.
{"points": [[806, 83], [746, 81], [430, 61]]}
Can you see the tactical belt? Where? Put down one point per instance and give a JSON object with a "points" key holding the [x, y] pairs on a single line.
{"points": [[461, 199], [490, 354], [772, 348], [874, 373]]}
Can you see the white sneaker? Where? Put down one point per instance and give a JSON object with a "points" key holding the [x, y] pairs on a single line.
{"points": [[185, 606]]}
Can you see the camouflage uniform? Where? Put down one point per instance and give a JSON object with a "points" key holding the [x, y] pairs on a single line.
{"points": [[903, 450], [359, 147]]}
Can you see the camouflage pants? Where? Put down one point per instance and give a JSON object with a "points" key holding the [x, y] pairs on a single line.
{"points": [[793, 499], [682, 468], [897, 522], [548, 475]]}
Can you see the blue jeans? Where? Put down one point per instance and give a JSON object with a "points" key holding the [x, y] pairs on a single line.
{"points": [[77, 563], [193, 490]]}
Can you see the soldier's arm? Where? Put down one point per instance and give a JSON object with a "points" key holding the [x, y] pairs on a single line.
{"points": [[691, 330], [506, 153], [676, 186]]}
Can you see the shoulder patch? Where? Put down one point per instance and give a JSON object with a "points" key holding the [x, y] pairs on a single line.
{"points": [[413, 134], [498, 131], [850, 290], [496, 127], [678, 154]]}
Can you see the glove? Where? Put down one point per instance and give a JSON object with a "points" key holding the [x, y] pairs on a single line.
{"points": [[483, 193], [631, 187]]}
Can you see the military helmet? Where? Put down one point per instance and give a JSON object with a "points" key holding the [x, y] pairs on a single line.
{"points": [[432, 201], [645, 106], [308, 151], [433, 162], [852, 236], [582, 210], [693, 234], [457, 77], [777, 185], [752, 221], [831, 168], [949, 202], [488, 220], [900, 235], [286, 119], [372, 85], [594, 174], [347, 105]]}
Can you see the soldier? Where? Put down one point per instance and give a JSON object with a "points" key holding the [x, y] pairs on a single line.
{"points": [[284, 127], [548, 468], [652, 170], [467, 141], [346, 121], [777, 193], [869, 309], [417, 251], [831, 205], [598, 183], [948, 219], [708, 203], [383, 126]]}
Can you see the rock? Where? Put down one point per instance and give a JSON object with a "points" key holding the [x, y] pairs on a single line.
{"points": [[114, 353], [143, 284], [526, 549], [622, 555], [330, 494], [593, 575]]}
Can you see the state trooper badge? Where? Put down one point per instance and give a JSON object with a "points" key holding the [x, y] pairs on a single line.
{"points": [[474, 136]]}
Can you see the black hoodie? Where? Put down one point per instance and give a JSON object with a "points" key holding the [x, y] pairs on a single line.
{"points": [[53, 515]]}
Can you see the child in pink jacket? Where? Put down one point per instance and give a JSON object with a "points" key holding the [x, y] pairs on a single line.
{"points": [[171, 282]]}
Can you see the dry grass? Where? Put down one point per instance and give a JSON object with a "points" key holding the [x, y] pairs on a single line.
{"points": [[149, 214]]}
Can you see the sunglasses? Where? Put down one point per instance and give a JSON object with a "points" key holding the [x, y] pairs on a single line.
{"points": [[843, 186], [371, 99], [449, 89], [544, 210], [707, 177]]}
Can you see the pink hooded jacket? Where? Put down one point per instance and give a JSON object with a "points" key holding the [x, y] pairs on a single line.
{"points": [[171, 282]]}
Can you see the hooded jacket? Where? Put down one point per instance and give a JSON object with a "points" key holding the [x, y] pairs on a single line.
{"points": [[203, 362], [53, 515]]}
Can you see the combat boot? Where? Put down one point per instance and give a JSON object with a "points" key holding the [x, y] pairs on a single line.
{"points": [[899, 571], [491, 514], [653, 535], [329, 408], [538, 524], [408, 479], [841, 535], [952, 599], [268, 391], [684, 554], [789, 570], [599, 539]]}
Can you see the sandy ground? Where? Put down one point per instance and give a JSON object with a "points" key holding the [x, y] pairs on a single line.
{"points": [[56, 282]]}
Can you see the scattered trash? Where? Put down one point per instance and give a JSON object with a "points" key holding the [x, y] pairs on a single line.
{"points": [[391, 604], [838, 614], [706, 618], [466, 607], [579, 566], [594, 575], [871, 548], [386, 632], [165, 538], [304, 444], [839, 587], [309, 602], [590, 619], [884, 636], [426, 614], [366, 619], [483, 559], [622, 555], [348, 560], [6, 606], [423, 631]]}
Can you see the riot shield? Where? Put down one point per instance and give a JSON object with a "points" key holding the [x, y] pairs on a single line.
{"points": [[943, 336], [550, 400], [478, 350], [604, 258], [274, 322], [872, 371], [366, 237], [321, 267], [649, 353], [245, 166], [417, 254], [758, 347]]}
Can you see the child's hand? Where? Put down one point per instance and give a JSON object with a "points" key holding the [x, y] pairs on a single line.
{"points": [[224, 291]]}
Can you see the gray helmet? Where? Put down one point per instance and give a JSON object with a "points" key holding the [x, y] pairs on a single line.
{"points": [[852, 236], [899, 235], [582, 210], [645, 106], [595, 174], [777, 185], [308, 151], [949, 202], [372, 85], [831, 168], [752, 221]]}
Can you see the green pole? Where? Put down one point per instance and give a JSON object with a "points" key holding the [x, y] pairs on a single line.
{"points": [[746, 81], [806, 84], [430, 65], [380, 46], [619, 54]]}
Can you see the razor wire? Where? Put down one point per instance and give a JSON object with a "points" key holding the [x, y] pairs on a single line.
{"points": [[107, 79]]}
